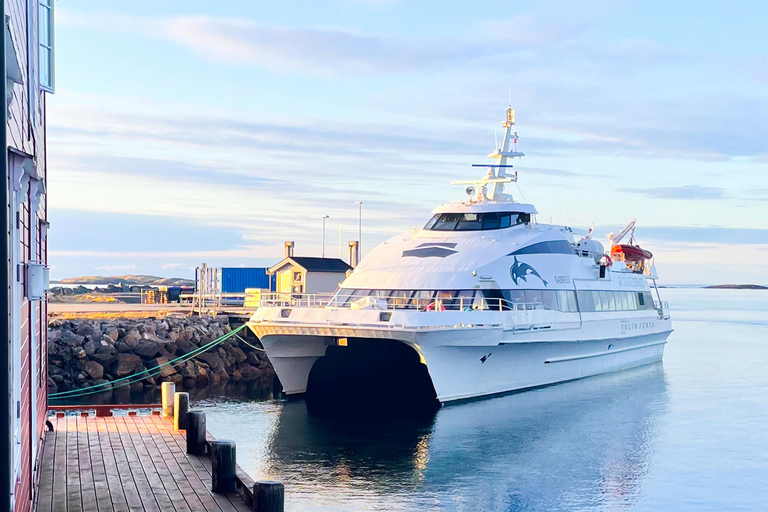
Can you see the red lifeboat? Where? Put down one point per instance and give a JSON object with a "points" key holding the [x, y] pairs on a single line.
{"points": [[631, 252]]}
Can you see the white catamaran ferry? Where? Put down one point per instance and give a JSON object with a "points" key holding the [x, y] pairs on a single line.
{"points": [[481, 300]]}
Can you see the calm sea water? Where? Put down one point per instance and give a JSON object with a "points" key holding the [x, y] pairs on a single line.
{"points": [[690, 433]]}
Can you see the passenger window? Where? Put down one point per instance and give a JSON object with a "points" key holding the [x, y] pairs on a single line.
{"points": [[549, 298], [585, 301], [573, 307]]}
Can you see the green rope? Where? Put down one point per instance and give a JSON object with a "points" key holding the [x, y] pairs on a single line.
{"points": [[254, 347], [130, 379]]}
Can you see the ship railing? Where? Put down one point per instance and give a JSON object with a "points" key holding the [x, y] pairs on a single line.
{"points": [[294, 300], [300, 300], [662, 308]]}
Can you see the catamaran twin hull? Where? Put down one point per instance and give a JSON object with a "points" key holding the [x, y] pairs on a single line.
{"points": [[482, 300], [467, 361]]}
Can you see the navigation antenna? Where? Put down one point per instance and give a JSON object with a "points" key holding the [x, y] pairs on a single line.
{"points": [[491, 185]]}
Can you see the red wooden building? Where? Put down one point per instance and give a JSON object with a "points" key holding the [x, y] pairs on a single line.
{"points": [[28, 70]]}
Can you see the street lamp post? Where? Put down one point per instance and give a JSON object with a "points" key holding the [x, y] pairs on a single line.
{"points": [[360, 230], [324, 217]]}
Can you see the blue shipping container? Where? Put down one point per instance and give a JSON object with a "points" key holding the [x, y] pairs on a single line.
{"points": [[237, 279]]}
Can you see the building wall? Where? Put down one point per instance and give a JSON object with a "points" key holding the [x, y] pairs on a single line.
{"points": [[28, 213], [323, 282], [286, 282]]}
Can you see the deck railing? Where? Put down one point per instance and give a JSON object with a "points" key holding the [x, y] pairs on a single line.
{"points": [[351, 301], [663, 309]]}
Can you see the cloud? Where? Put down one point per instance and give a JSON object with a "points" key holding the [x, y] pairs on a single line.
{"points": [[171, 265], [686, 192]]}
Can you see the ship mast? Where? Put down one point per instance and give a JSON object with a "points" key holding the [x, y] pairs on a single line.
{"points": [[491, 186]]}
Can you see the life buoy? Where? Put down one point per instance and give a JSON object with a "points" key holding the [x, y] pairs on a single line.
{"points": [[435, 306]]}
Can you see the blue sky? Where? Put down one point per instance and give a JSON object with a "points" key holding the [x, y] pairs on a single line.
{"points": [[190, 132]]}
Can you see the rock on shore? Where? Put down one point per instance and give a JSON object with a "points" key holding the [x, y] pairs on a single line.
{"points": [[82, 353]]}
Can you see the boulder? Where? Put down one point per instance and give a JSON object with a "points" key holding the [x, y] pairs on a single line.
{"points": [[147, 349], [71, 339], [238, 354], [250, 373], [165, 371], [213, 360], [131, 338], [105, 355], [94, 369], [86, 329], [91, 347], [137, 386], [127, 364], [188, 369], [53, 335], [111, 331], [81, 353], [184, 347], [103, 384]]}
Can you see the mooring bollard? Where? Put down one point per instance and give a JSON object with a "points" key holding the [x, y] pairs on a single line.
{"points": [[196, 432], [268, 496], [180, 410], [167, 389], [223, 466]]}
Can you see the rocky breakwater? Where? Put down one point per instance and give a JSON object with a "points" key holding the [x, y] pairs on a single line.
{"points": [[83, 353]]}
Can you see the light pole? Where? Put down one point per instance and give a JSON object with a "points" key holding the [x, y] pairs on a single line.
{"points": [[324, 217], [360, 230]]}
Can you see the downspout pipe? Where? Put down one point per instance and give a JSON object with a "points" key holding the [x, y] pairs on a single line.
{"points": [[5, 282]]}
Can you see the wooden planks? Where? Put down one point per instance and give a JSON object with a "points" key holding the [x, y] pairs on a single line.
{"points": [[125, 464]]}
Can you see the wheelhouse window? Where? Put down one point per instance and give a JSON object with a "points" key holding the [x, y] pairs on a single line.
{"points": [[45, 38], [476, 221]]}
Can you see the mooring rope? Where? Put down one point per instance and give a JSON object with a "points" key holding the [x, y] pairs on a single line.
{"points": [[254, 347], [130, 379]]}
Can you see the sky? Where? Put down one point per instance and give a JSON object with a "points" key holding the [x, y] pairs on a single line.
{"points": [[184, 132]]}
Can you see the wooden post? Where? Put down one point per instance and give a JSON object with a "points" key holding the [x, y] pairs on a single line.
{"points": [[268, 496], [196, 432], [223, 466], [167, 389], [180, 410]]}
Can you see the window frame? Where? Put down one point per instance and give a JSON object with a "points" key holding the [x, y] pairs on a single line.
{"points": [[47, 46]]}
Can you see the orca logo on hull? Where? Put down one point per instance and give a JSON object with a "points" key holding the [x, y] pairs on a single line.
{"points": [[521, 271]]}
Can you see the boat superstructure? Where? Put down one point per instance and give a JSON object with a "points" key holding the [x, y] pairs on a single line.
{"points": [[482, 300]]}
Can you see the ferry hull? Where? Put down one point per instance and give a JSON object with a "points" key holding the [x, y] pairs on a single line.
{"points": [[462, 371]]}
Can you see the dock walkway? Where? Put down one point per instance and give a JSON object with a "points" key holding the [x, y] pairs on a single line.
{"points": [[125, 463]]}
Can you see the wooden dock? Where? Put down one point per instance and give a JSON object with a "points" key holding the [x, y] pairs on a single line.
{"points": [[125, 463]]}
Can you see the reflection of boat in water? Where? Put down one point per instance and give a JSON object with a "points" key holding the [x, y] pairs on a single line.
{"points": [[582, 443]]}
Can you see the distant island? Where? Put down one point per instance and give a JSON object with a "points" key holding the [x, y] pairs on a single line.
{"points": [[129, 279], [738, 287]]}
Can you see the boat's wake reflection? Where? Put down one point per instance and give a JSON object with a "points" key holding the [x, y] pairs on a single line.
{"points": [[580, 444]]}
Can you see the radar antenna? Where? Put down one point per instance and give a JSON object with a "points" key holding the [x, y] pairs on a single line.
{"points": [[497, 173]]}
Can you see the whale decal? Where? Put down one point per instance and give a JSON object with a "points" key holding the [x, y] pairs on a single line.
{"points": [[521, 271]]}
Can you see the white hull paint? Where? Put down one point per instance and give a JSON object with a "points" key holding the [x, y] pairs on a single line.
{"points": [[470, 363]]}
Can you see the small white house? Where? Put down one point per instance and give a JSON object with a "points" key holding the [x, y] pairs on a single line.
{"points": [[305, 274]]}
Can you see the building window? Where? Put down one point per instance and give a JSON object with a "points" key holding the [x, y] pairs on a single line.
{"points": [[297, 277], [45, 36]]}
